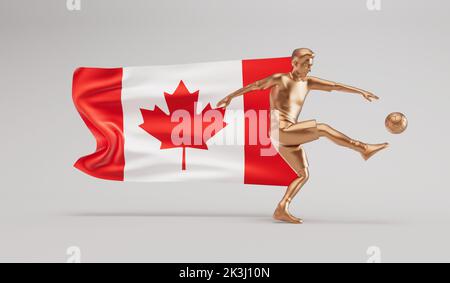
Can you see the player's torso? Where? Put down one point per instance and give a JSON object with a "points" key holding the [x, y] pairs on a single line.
{"points": [[288, 97]]}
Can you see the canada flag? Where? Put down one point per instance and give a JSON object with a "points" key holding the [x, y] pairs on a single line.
{"points": [[161, 124]]}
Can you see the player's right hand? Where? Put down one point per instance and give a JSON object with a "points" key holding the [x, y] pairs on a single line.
{"points": [[224, 102]]}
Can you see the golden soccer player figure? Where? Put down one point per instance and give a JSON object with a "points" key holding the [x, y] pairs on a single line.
{"points": [[287, 96]]}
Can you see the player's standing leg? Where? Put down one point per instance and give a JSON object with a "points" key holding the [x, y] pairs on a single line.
{"points": [[282, 212]]}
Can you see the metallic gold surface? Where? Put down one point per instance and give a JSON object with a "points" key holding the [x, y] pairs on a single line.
{"points": [[396, 123], [287, 96]]}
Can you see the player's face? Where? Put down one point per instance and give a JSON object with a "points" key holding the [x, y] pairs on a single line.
{"points": [[303, 65]]}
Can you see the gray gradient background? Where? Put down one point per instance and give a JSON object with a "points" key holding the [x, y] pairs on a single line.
{"points": [[398, 201]]}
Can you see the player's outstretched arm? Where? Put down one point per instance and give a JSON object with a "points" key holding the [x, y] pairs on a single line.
{"points": [[258, 85], [321, 84]]}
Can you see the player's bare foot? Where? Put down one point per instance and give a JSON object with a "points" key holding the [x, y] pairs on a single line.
{"points": [[282, 214], [371, 149], [297, 220]]}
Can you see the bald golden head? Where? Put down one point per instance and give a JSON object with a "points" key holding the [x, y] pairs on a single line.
{"points": [[300, 53], [302, 61]]}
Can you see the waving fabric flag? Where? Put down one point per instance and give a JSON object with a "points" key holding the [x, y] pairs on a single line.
{"points": [[133, 114]]}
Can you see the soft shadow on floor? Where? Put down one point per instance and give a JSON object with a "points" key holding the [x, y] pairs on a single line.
{"points": [[168, 214], [348, 221], [254, 216]]}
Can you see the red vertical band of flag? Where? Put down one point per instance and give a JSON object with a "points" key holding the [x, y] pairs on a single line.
{"points": [[263, 170], [97, 97]]}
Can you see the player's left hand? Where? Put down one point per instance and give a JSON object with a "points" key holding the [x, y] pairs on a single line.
{"points": [[369, 96]]}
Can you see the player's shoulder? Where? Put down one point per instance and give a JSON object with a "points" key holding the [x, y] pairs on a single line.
{"points": [[313, 79], [316, 80], [278, 76]]}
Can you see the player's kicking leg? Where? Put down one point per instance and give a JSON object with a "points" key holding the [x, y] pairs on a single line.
{"points": [[366, 150]]}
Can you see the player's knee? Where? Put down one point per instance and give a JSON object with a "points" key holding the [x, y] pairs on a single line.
{"points": [[304, 173], [323, 128]]}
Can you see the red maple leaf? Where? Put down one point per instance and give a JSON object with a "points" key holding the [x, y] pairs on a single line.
{"points": [[162, 126]]}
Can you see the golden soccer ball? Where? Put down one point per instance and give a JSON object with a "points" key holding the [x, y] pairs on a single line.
{"points": [[396, 123]]}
